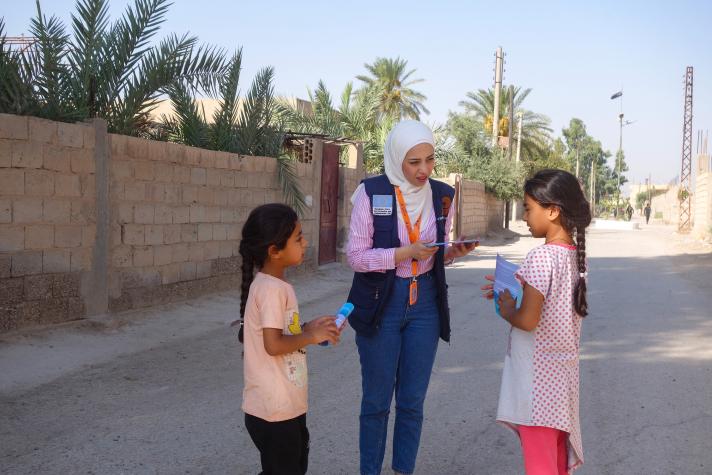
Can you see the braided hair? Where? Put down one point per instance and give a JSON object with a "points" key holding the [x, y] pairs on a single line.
{"points": [[563, 190], [267, 225]]}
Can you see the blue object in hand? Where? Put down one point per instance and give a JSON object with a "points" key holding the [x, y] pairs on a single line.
{"points": [[341, 317]]}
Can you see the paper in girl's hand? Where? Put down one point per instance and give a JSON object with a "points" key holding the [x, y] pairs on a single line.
{"points": [[504, 279]]}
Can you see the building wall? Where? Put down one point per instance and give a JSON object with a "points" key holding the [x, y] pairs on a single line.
{"points": [[702, 198], [92, 222]]}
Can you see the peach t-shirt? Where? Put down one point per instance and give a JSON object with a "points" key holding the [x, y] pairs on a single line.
{"points": [[275, 386]]}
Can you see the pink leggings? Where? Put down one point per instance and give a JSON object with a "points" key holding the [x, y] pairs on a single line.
{"points": [[545, 450]]}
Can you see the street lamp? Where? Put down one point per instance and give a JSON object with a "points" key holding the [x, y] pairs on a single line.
{"points": [[619, 155]]}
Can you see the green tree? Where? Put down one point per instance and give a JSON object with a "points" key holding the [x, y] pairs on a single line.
{"points": [[110, 71], [535, 127], [397, 97]]}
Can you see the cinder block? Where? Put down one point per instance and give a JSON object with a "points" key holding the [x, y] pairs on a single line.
{"points": [[143, 256], [133, 234], [125, 213], [5, 266], [83, 212], [11, 292], [228, 215], [181, 214], [170, 274], [189, 194], [121, 256], [187, 271], [156, 151], [172, 233], [88, 235], [207, 158], [205, 232], [12, 182], [81, 259], [221, 160], [136, 148], [56, 261], [206, 196], [56, 212], [27, 155], [65, 285], [82, 161], [39, 237], [179, 252], [181, 174], [6, 153], [67, 236], [56, 159], [212, 214], [164, 172], [154, 234], [135, 191], [38, 287], [67, 185], [156, 192], [203, 269], [70, 135], [212, 250], [121, 169], [144, 171], [5, 211], [26, 263], [234, 231], [219, 232], [225, 249], [144, 214], [241, 179], [162, 255], [227, 178], [27, 210], [163, 214], [189, 232], [88, 186], [221, 197], [213, 177], [39, 183], [89, 137], [172, 193], [12, 238], [197, 214], [198, 176], [13, 127], [196, 252], [117, 144]]}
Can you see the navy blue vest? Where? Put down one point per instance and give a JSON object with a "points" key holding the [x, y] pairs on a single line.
{"points": [[370, 290]]}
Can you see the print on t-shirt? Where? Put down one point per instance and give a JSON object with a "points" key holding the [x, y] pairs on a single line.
{"points": [[296, 362]]}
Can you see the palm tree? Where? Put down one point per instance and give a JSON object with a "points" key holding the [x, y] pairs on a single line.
{"points": [[535, 127], [102, 70], [398, 99]]}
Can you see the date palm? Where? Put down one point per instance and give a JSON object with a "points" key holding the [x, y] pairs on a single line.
{"points": [[398, 98], [113, 71], [535, 127]]}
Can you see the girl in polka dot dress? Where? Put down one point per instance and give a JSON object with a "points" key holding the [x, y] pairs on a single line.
{"points": [[539, 396]]}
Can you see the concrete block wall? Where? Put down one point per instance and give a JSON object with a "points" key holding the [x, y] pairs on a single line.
{"points": [[47, 220], [702, 207], [479, 211]]}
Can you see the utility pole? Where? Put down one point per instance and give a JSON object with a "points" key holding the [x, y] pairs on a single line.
{"points": [[519, 134], [686, 173], [619, 159], [498, 70], [510, 143]]}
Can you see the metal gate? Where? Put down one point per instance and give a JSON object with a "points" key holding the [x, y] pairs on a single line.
{"points": [[328, 215]]}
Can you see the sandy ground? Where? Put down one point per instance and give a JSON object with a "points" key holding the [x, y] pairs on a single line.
{"points": [[158, 391]]}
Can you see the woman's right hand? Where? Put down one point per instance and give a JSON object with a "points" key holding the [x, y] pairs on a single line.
{"points": [[488, 290], [420, 252], [323, 329]]}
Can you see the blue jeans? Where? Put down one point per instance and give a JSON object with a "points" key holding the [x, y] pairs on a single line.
{"points": [[400, 356]]}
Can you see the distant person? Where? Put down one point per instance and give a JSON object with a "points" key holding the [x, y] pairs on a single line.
{"points": [[539, 396], [646, 211], [274, 398], [629, 211]]}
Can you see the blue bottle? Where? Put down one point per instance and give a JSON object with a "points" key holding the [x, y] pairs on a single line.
{"points": [[341, 317]]}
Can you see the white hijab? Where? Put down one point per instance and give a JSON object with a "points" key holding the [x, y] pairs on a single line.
{"points": [[404, 136]]}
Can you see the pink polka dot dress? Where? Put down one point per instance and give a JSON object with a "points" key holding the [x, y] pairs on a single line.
{"points": [[540, 379]]}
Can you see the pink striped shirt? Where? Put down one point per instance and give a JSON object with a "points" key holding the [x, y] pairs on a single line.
{"points": [[360, 253]]}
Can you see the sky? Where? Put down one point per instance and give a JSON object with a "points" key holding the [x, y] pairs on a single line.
{"points": [[573, 55]]}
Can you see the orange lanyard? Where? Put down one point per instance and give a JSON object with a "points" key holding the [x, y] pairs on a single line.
{"points": [[413, 235]]}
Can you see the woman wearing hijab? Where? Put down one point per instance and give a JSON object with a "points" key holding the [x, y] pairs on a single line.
{"points": [[399, 291]]}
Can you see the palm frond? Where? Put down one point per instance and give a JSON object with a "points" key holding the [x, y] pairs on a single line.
{"points": [[289, 183], [225, 117]]}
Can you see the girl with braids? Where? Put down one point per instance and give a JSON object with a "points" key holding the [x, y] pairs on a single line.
{"points": [[539, 396], [275, 393]]}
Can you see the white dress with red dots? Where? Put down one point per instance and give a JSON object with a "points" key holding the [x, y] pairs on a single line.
{"points": [[540, 379]]}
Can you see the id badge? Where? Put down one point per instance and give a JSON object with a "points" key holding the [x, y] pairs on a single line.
{"points": [[413, 292]]}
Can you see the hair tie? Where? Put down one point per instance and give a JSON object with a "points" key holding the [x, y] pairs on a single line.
{"points": [[583, 274]]}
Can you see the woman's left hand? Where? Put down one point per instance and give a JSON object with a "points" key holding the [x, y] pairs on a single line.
{"points": [[459, 250]]}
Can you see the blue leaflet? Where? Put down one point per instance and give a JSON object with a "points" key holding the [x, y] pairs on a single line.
{"points": [[504, 280]]}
